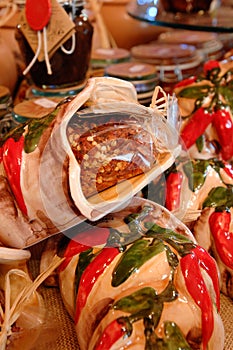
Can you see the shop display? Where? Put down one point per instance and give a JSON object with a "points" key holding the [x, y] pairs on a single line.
{"points": [[116, 177]]}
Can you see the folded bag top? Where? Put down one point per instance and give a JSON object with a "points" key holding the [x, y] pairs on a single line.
{"points": [[90, 156]]}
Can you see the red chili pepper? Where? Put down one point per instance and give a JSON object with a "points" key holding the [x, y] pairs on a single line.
{"points": [[196, 126], [223, 124], [219, 226], [173, 190], [73, 249], [228, 169], [113, 332], [209, 66], [96, 236], [209, 265], [186, 82], [199, 292], [12, 161], [1, 154], [90, 276]]}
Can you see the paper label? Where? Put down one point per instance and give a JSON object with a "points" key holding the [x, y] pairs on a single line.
{"points": [[45, 102], [137, 68], [59, 29], [107, 52]]}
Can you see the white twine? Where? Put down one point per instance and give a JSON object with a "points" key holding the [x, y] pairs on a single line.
{"points": [[33, 61], [47, 62], [27, 69], [49, 70]]}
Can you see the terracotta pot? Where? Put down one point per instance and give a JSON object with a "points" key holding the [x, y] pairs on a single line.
{"points": [[8, 64], [126, 30]]}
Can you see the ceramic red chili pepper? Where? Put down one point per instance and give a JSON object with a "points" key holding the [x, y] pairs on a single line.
{"points": [[113, 332], [228, 169], [91, 274], [220, 228], [196, 126], [73, 249], [209, 265], [96, 236], [1, 155], [223, 124], [12, 161], [173, 190], [196, 287], [209, 66]]}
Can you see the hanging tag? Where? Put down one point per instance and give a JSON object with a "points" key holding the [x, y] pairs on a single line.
{"points": [[38, 13], [59, 29]]}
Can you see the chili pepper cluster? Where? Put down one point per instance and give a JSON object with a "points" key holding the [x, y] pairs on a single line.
{"points": [[92, 254], [208, 122], [145, 304], [218, 201], [213, 105]]}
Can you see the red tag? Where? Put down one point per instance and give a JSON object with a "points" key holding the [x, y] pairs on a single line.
{"points": [[38, 13]]}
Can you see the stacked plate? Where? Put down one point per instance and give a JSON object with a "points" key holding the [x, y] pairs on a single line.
{"points": [[34, 108], [142, 75], [35, 91], [173, 62], [208, 45], [103, 57]]}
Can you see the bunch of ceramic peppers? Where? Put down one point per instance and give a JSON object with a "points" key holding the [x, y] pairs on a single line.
{"points": [[213, 105], [220, 198], [12, 146], [192, 257], [212, 93]]}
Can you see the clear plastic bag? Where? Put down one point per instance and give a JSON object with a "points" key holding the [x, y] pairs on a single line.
{"points": [[116, 142], [49, 181]]}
